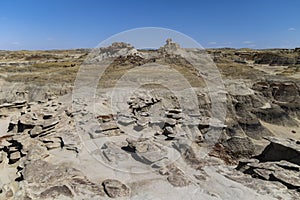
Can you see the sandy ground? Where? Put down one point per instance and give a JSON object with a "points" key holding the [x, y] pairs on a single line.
{"points": [[283, 131]]}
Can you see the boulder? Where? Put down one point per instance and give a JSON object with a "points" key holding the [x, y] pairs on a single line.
{"points": [[281, 149], [178, 180], [146, 150], [283, 172], [240, 146], [114, 188], [113, 153]]}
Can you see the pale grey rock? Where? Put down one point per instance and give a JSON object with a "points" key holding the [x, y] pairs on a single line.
{"points": [[36, 131], [42, 179], [170, 121], [14, 156], [283, 172], [147, 151], [125, 120], [113, 153], [178, 180], [114, 188], [53, 143], [142, 122]]}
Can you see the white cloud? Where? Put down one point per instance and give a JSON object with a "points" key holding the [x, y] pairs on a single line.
{"points": [[219, 44], [212, 43], [49, 39], [15, 43], [248, 42], [291, 29]]}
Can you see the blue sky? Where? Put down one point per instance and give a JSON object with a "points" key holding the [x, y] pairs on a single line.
{"points": [[63, 24]]}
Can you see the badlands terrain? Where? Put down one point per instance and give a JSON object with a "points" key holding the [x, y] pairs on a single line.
{"points": [[169, 123]]}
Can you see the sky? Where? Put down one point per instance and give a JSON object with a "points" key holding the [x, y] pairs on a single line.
{"points": [[66, 24]]}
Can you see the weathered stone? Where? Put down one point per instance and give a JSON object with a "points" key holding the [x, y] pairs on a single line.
{"points": [[142, 122], [281, 149], [28, 119], [240, 146], [15, 156], [178, 180], [108, 126], [114, 188], [147, 151], [35, 131], [283, 172], [47, 180], [170, 121], [175, 111], [56, 191], [113, 153], [49, 123], [169, 130], [125, 120], [53, 145]]}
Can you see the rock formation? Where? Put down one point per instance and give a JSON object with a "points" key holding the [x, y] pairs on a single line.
{"points": [[152, 143]]}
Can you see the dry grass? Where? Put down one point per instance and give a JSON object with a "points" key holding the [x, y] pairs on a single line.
{"points": [[113, 73], [43, 73], [233, 70]]}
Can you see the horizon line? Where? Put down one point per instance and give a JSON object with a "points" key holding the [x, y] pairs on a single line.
{"points": [[88, 48]]}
